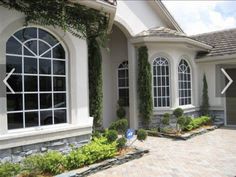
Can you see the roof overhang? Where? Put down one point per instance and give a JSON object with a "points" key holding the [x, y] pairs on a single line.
{"points": [[222, 58], [176, 40]]}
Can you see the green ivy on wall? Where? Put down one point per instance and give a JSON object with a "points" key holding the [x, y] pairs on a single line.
{"points": [[77, 19], [144, 85], [95, 81]]}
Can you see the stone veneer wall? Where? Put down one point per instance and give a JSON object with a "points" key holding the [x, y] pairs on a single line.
{"points": [[16, 154]]}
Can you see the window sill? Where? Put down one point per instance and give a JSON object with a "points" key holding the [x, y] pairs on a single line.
{"points": [[16, 138]]}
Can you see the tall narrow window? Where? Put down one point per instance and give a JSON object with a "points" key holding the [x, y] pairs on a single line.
{"points": [[184, 74], [161, 82], [39, 79], [123, 82]]}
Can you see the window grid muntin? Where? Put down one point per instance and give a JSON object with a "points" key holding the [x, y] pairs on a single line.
{"points": [[161, 82], [52, 75], [184, 83], [123, 67]]}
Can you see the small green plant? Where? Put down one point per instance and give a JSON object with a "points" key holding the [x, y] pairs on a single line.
{"points": [[141, 135], [166, 119], [181, 121], [121, 142], [9, 169], [178, 112], [111, 135], [120, 112], [120, 126], [197, 122]]}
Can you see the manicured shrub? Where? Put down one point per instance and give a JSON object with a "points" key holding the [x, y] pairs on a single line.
{"points": [[141, 135], [121, 112], [121, 103], [99, 149], [111, 135], [181, 121], [166, 119], [204, 108], [51, 162], [121, 142], [178, 112], [120, 126], [144, 85], [197, 122], [9, 169]]}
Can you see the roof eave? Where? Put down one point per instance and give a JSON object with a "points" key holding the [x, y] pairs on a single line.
{"points": [[215, 58], [148, 39]]}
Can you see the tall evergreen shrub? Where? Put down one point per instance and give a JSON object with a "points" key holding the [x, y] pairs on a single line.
{"points": [[204, 109], [95, 81], [144, 85]]}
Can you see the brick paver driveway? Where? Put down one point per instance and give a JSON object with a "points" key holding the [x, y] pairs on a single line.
{"points": [[210, 155]]}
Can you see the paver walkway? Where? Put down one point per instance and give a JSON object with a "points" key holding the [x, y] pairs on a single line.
{"points": [[209, 155]]}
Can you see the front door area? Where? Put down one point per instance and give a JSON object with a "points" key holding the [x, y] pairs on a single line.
{"points": [[231, 98]]}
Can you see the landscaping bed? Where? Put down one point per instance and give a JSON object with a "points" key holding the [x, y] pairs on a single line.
{"points": [[124, 156]]}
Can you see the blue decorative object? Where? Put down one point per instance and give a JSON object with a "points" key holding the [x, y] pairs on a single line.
{"points": [[129, 134]]}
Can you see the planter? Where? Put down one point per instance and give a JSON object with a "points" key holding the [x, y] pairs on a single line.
{"points": [[86, 171]]}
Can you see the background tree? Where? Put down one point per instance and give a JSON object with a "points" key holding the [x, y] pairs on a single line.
{"points": [[144, 86], [95, 81], [204, 109]]}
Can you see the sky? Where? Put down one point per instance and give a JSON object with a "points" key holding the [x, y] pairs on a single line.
{"points": [[196, 17]]}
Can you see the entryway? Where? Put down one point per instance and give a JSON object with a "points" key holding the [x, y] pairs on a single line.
{"points": [[231, 98]]}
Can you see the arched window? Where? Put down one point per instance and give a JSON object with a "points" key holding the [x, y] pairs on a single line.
{"points": [[184, 74], [161, 82], [39, 79], [123, 82]]}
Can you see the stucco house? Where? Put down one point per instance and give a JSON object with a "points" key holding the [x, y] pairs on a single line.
{"points": [[50, 107]]}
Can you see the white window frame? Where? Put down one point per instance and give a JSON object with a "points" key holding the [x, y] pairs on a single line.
{"points": [[123, 66], [162, 62], [23, 92], [184, 69]]}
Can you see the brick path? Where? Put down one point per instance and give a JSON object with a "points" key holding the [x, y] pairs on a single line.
{"points": [[210, 155]]}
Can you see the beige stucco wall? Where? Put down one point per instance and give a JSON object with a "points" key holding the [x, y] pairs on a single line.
{"points": [[111, 59], [77, 55]]}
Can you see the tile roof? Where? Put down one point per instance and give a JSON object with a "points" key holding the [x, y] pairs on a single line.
{"points": [[223, 42], [162, 32]]}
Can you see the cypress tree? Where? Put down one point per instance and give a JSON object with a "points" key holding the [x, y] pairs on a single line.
{"points": [[204, 109], [144, 85], [95, 81]]}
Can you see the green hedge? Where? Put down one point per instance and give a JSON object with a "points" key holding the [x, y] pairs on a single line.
{"points": [[54, 162], [197, 122]]}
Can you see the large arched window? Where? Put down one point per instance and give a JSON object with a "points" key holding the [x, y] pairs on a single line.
{"points": [[184, 74], [161, 82], [39, 79], [123, 82]]}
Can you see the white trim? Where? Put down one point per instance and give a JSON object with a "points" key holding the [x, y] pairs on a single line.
{"points": [[146, 39]]}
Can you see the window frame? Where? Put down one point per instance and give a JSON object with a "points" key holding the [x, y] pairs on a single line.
{"points": [[125, 62], [184, 81], [153, 86], [37, 75]]}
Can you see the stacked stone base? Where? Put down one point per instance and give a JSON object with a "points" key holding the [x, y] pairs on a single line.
{"points": [[65, 145]]}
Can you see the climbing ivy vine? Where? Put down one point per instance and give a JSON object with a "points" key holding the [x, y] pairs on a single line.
{"points": [[77, 19]]}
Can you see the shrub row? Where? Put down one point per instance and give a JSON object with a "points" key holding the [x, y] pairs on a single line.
{"points": [[54, 162], [197, 122]]}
